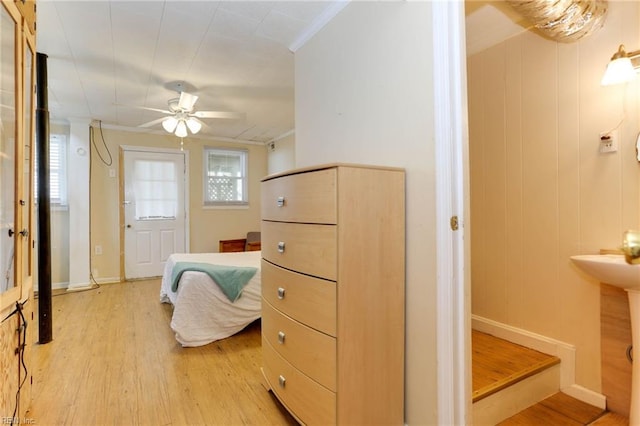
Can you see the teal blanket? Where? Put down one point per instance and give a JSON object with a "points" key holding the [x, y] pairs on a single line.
{"points": [[231, 279]]}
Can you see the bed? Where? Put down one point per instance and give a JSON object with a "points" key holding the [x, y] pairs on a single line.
{"points": [[202, 313]]}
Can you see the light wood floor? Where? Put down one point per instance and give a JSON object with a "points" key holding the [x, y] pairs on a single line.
{"points": [[114, 361], [558, 409]]}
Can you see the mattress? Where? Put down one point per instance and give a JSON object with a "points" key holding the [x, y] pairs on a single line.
{"points": [[201, 312]]}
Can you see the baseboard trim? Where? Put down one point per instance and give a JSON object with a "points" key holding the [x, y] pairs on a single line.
{"points": [[107, 280], [80, 287], [93, 283], [587, 395], [538, 342], [60, 286]]}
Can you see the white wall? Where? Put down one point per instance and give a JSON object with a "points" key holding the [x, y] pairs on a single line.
{"points": [[78, 174], [540, 190], [207, 225], [364, 95], [217, 223], [281, 154]]}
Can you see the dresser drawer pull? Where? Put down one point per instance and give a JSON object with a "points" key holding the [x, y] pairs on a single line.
{"points": [[280, 293], [281, 380], [281, 247], [280, 201], [281, 337]]}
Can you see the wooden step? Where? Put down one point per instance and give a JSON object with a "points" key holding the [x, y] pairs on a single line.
{"points": [[507, 378], [514, 385], [498, 364]]}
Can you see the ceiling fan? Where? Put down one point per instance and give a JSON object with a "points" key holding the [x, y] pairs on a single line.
{"points": [[183, 116]]}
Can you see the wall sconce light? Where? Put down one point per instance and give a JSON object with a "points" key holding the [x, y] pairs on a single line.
{"points": [[622, 67]]}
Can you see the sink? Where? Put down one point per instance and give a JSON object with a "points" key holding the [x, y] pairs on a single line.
{"points": [[613, 269], [610, 269]]}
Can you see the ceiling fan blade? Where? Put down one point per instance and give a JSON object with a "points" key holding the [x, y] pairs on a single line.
{"points": [[153, 122], [187, 101], [164, 111], [219, 114], [202, 123]]}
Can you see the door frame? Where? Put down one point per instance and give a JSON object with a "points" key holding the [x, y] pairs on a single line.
{"points": [[452, 199], [187, 226]]}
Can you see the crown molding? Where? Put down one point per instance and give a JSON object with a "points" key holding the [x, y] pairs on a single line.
{"points": [[323, 19]]}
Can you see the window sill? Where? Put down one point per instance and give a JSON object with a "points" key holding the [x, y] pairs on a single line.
{"points": [[229, 207]]}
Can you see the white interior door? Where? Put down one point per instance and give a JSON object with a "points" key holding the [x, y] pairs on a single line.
{"points": [[154, 210]]}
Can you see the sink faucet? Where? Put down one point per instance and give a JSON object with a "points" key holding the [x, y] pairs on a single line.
{"points": [[631, 246]]}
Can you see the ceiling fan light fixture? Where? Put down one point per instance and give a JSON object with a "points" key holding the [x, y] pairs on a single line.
{"points": [[181, 129], [182, 119], [169, 124], [194, 125]]}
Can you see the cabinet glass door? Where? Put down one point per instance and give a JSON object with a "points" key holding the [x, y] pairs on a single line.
{"points": [[7, 149], [26, 199]]}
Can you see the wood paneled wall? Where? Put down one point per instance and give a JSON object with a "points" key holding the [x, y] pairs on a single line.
{"points": [[616, 337], [540, 189]]}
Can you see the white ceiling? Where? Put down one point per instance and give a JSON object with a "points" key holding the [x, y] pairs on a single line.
{"points": [[491, 22], [107, 57], [234, 55]]}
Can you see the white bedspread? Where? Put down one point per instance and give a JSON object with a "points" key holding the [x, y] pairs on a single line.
{"points": [[201, 312]]}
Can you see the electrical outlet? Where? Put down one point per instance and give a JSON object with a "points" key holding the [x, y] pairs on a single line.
{"points": [[98, 250], [609, 141]]}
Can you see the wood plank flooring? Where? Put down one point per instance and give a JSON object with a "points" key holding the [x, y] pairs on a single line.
{"points": [[114, 360], [558, 409]]}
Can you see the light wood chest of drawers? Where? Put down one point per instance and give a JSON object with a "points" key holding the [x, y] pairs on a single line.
{"points": [[333, 293]]}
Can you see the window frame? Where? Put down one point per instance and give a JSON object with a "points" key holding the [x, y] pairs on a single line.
{"points": [[61, 202], [243, 154]]}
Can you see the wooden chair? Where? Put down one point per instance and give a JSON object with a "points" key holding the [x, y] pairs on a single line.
{"points": [[253, 241]]}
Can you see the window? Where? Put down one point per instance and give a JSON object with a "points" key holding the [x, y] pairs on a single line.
{"points": [[155, 184], [225, 177], [57, 171]]}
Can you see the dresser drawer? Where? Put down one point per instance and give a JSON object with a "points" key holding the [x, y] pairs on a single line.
{"points": [[308, 350], [305, 197], [312, 301], [307, 248], [309, 401]]}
